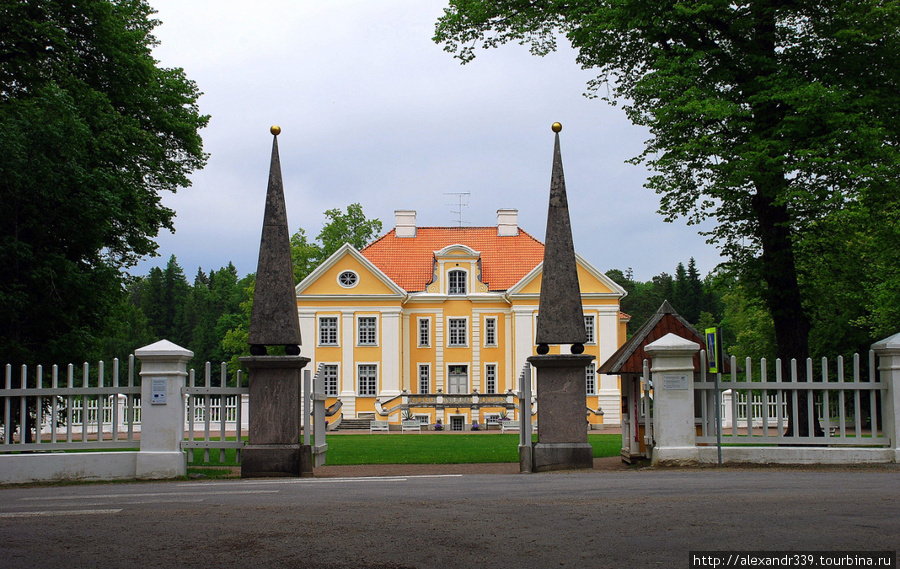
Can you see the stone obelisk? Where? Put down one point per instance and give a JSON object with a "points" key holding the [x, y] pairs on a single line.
{"points": [[274, 447], [562, 434], [273, 318]]}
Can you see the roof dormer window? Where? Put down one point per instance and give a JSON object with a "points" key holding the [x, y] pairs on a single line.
{"points": [[456, 282]]}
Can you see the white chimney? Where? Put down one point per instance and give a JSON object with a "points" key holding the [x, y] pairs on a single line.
{"points": [[405, 222], [507, 222]]}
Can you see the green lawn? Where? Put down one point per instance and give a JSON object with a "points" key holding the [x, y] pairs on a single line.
{"points": [[425, 449]]}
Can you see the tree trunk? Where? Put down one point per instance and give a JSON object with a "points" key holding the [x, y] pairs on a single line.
{"points": [[782, 297], [779, 269]]}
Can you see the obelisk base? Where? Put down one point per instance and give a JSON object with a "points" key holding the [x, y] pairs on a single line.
{"points": [[275, 447], [562, 425], [562, 456]]}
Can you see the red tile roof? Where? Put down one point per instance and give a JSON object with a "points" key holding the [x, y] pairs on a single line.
{"points": [[409, 261]]}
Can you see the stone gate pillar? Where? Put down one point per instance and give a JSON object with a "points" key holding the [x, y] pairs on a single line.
{"points": [[888, 352], [163, 372], [674, 430]]}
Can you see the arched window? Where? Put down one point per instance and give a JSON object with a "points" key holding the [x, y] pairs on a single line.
{"points": [[456, 282]]}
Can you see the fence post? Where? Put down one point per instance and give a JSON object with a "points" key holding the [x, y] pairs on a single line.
{"points": [[163, 372], [888, 352], [674, 429]]}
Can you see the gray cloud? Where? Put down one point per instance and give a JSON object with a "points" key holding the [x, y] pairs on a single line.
{"points": [[374, 112]]}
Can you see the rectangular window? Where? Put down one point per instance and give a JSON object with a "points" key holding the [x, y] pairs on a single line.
{"points": [[457, 282], [367, 376], [424, 332], [589, 328], [367, 331], [458, 379], [590, 379], [490, 332], [490, 378], [328, 331], [458, 335], [330, 373], [424, 379]]}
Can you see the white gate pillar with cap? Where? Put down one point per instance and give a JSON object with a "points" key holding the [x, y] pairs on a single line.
{"points": [[888, 352], [163, 372], [672, 371]]}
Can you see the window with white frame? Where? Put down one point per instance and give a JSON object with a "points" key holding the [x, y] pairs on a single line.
{"points": [[490, 331], [490, 378], [458, 379], [590, 379], [424, 378], [367, 378], [330, 374], [328, 331], [458, 332], [348, 279], [424, 332], [367, 331], [422, 419], [589, 329], [456, 282]]}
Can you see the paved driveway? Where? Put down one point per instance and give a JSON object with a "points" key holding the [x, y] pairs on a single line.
{"points": [[624, 518]]}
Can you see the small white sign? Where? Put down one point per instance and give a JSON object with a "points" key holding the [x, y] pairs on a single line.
{"points": [[158, 389], [675, 382]]}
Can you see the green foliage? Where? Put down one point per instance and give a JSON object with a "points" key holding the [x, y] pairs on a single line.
{"points": [[851, 268], [352, 227], [211, 316], [126, 329], [305, 256], [93, 131], [234, 341], [690, 296], [747, 325], [163, 305], [766, 117]]}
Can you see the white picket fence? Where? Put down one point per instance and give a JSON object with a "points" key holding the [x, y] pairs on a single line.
{"points": [[755, 409], [796, 413], [101, 411], [70, 415], [209, 422]]}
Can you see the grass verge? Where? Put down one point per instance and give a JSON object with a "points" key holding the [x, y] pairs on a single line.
{"points": [[421, 449]]}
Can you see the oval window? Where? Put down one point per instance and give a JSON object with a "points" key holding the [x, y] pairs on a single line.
{"points": [[348, 279]]}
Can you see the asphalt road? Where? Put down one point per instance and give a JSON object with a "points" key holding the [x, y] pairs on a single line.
{"points": [[634, 518]]}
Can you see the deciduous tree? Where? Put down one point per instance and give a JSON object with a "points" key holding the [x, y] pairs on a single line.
{"points": [[763, 115], [93, 131]]}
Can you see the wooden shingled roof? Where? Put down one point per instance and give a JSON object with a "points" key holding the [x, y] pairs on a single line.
{"points": [[630, 357]]}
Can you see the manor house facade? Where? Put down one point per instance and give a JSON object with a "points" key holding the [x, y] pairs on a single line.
{"points": [[436, 323]]}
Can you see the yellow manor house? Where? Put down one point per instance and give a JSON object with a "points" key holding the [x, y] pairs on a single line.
{"points": [[434, 324]]}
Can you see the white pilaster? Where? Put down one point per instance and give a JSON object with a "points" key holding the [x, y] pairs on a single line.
{"points": [[390, 352], [348, 367], [523, 342]]}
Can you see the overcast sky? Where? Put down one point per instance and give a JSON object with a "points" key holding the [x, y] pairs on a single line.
{"points": [[372, 111]]}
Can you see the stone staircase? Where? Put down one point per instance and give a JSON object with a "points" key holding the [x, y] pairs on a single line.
{"points": [[354, 424]]}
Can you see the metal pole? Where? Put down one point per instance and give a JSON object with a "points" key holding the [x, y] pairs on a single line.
{"points": [[717, 377]]}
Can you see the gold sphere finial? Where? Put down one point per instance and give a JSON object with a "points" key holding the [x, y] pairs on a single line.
{"points": [[275, 129], [556, 127]]}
